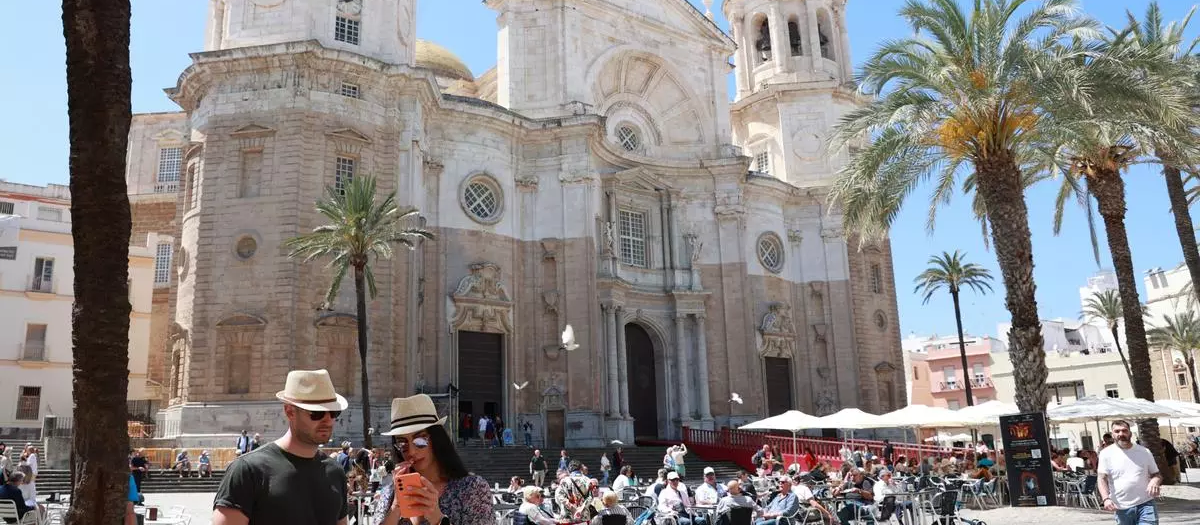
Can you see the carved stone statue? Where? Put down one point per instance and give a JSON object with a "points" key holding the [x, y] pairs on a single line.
{"points": [[610, 238], [696, 245], [778, 319], [825, 403]]}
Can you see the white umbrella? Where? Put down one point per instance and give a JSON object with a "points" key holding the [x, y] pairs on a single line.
{"points": [[1191, 409], [987, 413], [849, 419], [946, 438], [921, 416], [1094, 408], [791, 421]]}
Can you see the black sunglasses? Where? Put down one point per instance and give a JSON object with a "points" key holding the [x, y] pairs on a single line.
{"points": [[317, 415]]}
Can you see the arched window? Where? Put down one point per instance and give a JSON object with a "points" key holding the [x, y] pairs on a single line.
{"points": [[629, 139], [794, 37], [824, 26], [763, 42]]}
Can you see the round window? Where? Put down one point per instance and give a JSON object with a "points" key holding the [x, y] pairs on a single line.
{"points": [[628, 138], [481, 200], [880, 319], [246, 247], [770, 252]]}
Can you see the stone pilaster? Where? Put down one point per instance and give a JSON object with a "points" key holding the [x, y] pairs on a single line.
{"points": [[702, 363], [622, 364]]}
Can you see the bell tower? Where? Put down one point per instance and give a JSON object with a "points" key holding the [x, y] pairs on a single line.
{"points": [[794, 81], [381, 29]]}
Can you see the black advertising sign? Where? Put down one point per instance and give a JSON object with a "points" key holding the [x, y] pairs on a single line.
{"points": [[8, 252], [1027, 460]]}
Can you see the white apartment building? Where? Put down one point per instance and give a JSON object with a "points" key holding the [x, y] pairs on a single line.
{"points": [[1168, 294], [36, 298]]}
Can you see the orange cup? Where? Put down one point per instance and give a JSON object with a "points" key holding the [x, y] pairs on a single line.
{"points": [[408, 482]]}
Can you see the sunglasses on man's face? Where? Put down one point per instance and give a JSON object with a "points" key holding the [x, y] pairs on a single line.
{"points": [[419, 442], [317, 415]]}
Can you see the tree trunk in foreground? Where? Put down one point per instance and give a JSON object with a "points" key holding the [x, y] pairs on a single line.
{"points": [[1003, 194], [360, 293], [1120, 352], [1183, 226], [1109, 190], [98, 109], [962, 348]]}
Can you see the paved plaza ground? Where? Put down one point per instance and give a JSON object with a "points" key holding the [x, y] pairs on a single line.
{"points": [[1182, 506]]}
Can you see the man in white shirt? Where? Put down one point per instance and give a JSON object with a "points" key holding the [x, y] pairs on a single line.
{"points": [[532, 507], [1128, 479], [674, 501], [709, 492]]}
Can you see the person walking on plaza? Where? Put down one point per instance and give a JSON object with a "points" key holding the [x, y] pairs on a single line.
{"points": [[256, 442], [537, 469], [573, 490], [290, 480], [139, 466], [618, 459], [605, 466], [564, 461], [528, 428], [243, 443], [447, 494], [1129, 479]]}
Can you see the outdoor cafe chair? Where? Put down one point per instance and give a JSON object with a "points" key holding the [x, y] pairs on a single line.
{"points": [[8, 511], [614, 519]]}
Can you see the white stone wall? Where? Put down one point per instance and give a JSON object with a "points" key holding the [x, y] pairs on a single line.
{"points": [[148, 134]]}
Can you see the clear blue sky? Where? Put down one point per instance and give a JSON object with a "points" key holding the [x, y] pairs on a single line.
{"points": [[33, 140]]}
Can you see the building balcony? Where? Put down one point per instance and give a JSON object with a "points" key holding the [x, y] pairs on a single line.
{"points": [[31, 351], [166, 187], [977, 383], [39, 284]]}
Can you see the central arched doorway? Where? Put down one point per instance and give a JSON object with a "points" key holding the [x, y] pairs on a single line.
{"points": [[643, 387]]}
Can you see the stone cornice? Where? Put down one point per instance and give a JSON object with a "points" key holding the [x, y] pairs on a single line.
{"points": [[779, 93]]}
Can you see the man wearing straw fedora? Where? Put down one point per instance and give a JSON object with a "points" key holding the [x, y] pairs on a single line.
{"points": [[290, 481]]}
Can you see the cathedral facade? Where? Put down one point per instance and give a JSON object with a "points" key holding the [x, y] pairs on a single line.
{"points": [[599, 176]]}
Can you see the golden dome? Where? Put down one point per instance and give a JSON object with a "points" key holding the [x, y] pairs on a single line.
{"points": [[441, 61]]}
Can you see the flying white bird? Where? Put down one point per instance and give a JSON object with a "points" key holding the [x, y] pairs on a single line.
{"points": [[568, 339], [520, 386], [735, 398]]}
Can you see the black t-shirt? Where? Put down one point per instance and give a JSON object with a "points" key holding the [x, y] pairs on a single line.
{"points": [[538, 462], [137, 462], [271, 486], [1170, 452]]}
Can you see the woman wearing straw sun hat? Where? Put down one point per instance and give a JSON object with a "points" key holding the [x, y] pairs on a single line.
{"points": [[446, 494]]}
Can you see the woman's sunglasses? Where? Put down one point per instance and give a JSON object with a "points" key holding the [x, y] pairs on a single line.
{"points": [[419, 442]]}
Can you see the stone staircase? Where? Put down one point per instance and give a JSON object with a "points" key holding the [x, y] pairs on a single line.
{"points": [[160, 482]]}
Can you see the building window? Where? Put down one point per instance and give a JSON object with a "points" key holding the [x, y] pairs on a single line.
{"points": [[43, 275], [162, 263], [30, 403], [628, 138], [977, 371], [915, 374], [794, 38], [762, 162], [1181, 379], [953, 404], [346, 30], [876, 279], [633, 238], [35, 343], [1111, 391], [343, 173], [950, 375], [7, 208], [47, 213], [482, 200], [170, 163], [770, 252], [349, 90]]}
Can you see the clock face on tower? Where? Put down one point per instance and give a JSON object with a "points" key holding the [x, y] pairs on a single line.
{"points": [[350, 7]]}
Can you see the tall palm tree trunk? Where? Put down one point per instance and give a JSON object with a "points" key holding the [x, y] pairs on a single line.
{"points": [[1120, 352], [1190, 360], [1109, 190], [360, 294], [962, 348], [1003, 193], [1183, 225], [98, 110]]}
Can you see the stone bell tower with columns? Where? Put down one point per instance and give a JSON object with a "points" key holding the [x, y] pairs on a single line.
{"points": [[794, 75], [381, 29]]}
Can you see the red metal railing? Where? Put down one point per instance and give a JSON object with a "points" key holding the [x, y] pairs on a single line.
{"points": [[739, 446]]}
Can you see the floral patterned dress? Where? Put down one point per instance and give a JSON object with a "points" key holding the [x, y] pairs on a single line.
{"points": [[466, 501]]}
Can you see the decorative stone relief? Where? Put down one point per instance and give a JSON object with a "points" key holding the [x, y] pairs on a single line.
{"points": [[776, 336], [575, 177], [695, 245], [832, 233], [610, 239], [880, 320], [826, 404], [481, 303], [808, 140], [554, 394], [795, 236], [729, 203], [549, 250], [550, 301], [817, 292]]}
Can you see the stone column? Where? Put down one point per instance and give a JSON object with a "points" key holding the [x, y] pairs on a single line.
{"points": [[702, 363], [685, 376], [610, 320], [814, 35], [742, 66], [843, 54], [622, 365], [780, 50]]}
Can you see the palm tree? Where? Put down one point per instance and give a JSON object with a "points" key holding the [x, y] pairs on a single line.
{"points": [[963, 94], [98, 111], [1180, 332], [1106, 306], [950, 271], [359, 228], [1168, 42], [1093, 142]]}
